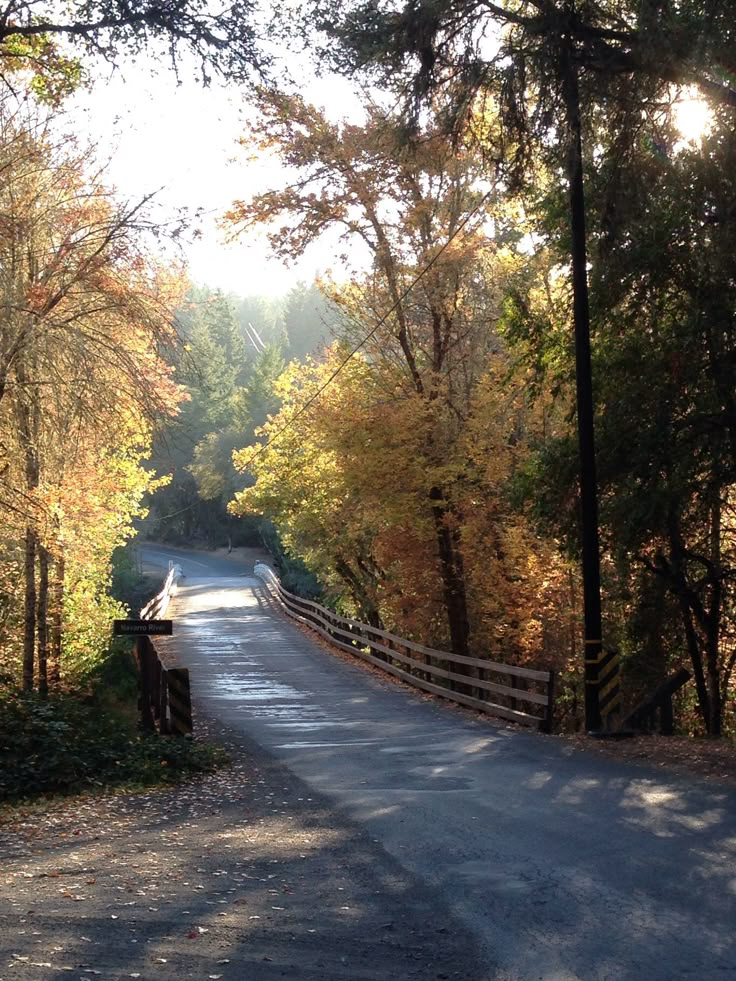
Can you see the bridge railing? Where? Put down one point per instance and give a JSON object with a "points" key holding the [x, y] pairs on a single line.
{"points": [[164, 697], [488, 686], [157, 606]]}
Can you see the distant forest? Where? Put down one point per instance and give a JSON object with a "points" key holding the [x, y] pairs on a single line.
{"points": [[229, 353]]}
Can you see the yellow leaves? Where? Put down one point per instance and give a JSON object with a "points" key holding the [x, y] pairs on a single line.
{"points": [[90, 311], [420, 397]]}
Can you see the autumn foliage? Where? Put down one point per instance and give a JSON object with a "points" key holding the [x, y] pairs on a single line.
{"points": [[389, 467], [85, 313]]}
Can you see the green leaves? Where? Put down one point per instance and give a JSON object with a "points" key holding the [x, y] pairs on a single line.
{"points": [[52, 74], [70, 743]]}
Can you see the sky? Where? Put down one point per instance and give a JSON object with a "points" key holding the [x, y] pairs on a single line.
{"points": [[181, 140]]}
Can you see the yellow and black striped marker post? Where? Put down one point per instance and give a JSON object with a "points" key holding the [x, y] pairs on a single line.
{"points": [[180, 702], [609, 686]]}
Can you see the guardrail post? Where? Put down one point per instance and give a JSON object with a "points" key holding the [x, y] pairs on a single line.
{"points": [[142, 651], [549, 711]]}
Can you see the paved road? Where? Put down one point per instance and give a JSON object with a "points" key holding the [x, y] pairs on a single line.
{"points": [[565, 866]]}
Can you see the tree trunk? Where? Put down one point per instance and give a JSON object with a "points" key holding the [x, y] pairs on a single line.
{"points": [[29, 609], [713, 622], [584, 394], [28, 416], [714, 687], [701, 609], [42, 608], [453, 577], [57, 620], [366, 606], [696, 658]]}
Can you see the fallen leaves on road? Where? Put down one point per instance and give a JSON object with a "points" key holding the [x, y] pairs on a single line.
{"points": [[147, 875]]}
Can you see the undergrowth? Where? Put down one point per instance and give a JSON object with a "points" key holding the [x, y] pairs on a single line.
{"points": [[75, 741]]}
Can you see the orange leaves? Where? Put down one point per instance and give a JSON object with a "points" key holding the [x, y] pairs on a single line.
{"points": [[87, 313], [37, 296]]}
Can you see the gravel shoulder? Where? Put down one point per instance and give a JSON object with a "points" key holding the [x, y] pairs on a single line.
{"points": [[242, 874]]}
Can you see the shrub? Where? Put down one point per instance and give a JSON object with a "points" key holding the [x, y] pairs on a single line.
{"points": [[68, 743]]}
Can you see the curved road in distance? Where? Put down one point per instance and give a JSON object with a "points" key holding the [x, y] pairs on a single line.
{"points": [[567, 866]]}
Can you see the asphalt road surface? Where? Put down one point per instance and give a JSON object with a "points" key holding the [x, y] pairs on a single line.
{"points": [[564, 865]]}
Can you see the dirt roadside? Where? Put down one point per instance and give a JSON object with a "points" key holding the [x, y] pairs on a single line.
{"points": [[244, 874]]}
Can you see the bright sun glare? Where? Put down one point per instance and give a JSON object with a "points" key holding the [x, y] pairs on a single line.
{"points": [[692, 116]]}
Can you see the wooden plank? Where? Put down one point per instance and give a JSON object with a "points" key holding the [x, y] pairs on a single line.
{"points": [[524, 718], [643, 715], [536, 698], [479, 662], [490, 708], [476, 662]]}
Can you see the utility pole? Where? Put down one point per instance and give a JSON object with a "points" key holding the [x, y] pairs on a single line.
{"points": [[584, 392]]}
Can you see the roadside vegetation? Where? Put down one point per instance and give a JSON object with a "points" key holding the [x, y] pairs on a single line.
{"points": [[403, 438], [88, 740]]}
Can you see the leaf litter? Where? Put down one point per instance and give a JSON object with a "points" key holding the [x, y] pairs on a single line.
{"points": [[173, 881]]}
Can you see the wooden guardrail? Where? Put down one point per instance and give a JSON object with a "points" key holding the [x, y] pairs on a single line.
{"points": [[164, 698], [658, 707], [157, 606], [423, 667]]}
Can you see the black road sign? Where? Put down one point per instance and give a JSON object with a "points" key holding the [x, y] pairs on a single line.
{"points": [[138, 628]]}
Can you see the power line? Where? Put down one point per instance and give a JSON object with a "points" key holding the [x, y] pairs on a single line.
{"points": [[420, 275]]}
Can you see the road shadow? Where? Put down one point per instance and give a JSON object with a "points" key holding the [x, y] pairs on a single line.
{"points": [[568, 865], [246, 875]]}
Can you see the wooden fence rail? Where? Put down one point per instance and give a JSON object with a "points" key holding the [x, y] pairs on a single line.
{"points": [[470, 681], [157, 606], [657, 708], [163, 697]]}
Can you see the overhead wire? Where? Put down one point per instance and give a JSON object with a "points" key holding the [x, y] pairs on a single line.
{"points": [[346, 360]]}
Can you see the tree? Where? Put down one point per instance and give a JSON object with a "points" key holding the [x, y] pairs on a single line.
{"points": [[352, 176], [85, 312], [668, 269], [344, 477], [493, 46], [229, 384], [662, 303], [306, 314], [553, 62], [264, 314], [223, 42], [396, 448]]}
